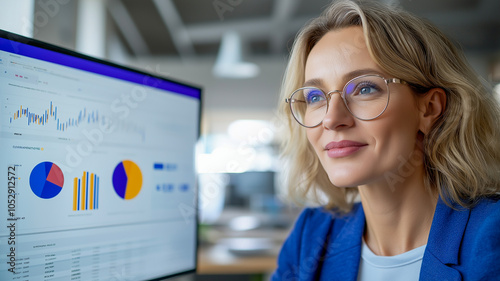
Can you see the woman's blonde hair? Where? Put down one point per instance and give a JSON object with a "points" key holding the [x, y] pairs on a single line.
{"points": [[461, 152]]}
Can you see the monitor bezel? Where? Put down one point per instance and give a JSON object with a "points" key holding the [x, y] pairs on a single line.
{"points": [[51, 47]]}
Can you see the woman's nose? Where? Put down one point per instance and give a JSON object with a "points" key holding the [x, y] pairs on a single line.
{"points": [[337, 116]]}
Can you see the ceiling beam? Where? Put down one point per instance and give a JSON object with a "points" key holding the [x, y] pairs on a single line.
{"points": [[176, 28], [268, 28], [128, 28], [282, 12], [248, 29], [485, 12]]}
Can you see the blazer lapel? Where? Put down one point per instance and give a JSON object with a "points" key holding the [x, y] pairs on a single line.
{"points": [[443, 245], [343, 253]]}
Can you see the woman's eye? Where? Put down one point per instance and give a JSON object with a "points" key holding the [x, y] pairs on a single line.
{"points": [[363, 88], [314, 97], [367, 90]]}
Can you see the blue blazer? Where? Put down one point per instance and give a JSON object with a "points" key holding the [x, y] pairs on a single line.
{"points": [[462, 245]]}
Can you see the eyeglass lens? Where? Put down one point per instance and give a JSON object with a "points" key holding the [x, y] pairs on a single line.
{"points": [[366, 97]]}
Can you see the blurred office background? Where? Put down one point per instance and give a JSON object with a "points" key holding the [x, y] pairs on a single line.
{"points": [[236, 50]]}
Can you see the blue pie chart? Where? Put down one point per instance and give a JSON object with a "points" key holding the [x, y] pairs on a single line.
{"points": [[46, 180]]}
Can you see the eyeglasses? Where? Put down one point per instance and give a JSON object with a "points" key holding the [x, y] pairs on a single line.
{"points": [[366, 97]]}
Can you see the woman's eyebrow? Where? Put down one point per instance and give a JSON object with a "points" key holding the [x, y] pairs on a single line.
{"points": [[355, 73], [318, 83], [313, 83]]}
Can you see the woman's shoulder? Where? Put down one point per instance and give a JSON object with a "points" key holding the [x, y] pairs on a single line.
{"points": [[480, 249], [307, 241], [483, 231], [321, 214], [486, 212], [322, 221]]}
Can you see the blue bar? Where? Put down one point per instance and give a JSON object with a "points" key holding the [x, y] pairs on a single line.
{"points": [[78, 202], [87, 192], [96, 67], [97, 194], [158, 166], [95, 190]]}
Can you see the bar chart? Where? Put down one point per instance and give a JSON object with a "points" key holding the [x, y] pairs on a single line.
{"points": [[32, 118], [71, 118], [86, 192]]}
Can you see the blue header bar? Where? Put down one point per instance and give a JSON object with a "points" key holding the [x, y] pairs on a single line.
{"points": [[96, 66]]}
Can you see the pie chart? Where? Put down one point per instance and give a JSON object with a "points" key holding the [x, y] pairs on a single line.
{"points": [[127, 179], [46, 180]]}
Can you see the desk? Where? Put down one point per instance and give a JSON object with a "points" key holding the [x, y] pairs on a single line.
{"points": [[216, 259], [226, 251]]}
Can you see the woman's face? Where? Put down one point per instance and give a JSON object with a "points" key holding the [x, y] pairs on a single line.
{"points": [[355, 152]]}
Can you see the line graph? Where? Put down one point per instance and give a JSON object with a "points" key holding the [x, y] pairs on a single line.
{"points": [[50, 114], [70, 118]]}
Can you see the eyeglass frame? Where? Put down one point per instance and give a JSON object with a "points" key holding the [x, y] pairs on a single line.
{"points": [[342, 95]]}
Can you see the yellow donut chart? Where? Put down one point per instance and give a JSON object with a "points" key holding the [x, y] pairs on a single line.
{"points": [[127, 179]]}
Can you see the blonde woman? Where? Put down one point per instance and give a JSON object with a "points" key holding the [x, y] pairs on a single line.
{"points": [[382, 105]]}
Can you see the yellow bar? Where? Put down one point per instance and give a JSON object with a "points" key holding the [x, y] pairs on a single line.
{"points": [[83, 190], [91, 197], [75, 193]]}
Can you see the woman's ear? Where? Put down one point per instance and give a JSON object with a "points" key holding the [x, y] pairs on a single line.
{"points": [[432, 105]]}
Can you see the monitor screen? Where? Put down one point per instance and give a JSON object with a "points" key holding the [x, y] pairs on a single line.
{"points": [[98, 161], [256, 186]]}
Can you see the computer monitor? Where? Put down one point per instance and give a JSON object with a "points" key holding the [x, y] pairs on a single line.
{"points": [[256, 186], [98, 160]]}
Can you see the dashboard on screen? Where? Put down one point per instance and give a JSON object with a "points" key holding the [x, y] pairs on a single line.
{"points": [[98, 168]]}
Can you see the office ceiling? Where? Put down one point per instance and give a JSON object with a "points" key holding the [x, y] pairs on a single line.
{"points": [[193, 28], [181, 38]]}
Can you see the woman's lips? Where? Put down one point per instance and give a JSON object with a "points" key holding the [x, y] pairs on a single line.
{"points": [[343, 148]]}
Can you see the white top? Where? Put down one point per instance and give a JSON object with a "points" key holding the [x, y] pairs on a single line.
{"points": [[405, 266]]}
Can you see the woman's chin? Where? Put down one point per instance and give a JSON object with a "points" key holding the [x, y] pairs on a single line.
{"points": [[347, 175], [343, 182]]}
